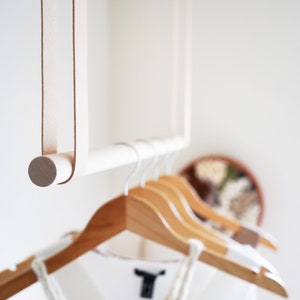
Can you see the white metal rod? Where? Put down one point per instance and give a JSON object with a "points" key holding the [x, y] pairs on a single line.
{"points": [[56, 168]]}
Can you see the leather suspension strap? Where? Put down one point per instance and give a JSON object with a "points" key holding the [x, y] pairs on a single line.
{"points": [[48, 74], [80, 85]]}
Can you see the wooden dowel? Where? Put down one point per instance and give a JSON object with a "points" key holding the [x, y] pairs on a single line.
{"points": [[56, 168]]}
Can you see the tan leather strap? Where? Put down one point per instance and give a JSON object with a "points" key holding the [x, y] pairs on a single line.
{"points": [[48, 73], [80, 85], [80, 89]]}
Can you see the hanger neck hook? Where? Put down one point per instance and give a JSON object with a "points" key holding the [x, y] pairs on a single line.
{"points": [[152, 164], [165, 159], [135, 169], [169, 157], [170, 161]]}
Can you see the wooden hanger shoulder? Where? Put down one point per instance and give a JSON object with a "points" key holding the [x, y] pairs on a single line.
{"points": [[109, 220], [140, 217], [204, 210], [181, 205], [174, 219], [151, 223]]}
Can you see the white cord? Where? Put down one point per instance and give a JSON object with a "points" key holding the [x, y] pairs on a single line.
{"points": [[50, 287], [196, 248], [181, 285]]}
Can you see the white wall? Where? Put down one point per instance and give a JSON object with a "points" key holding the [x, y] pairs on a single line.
{"points": [[245, 97], [32, 217], [246, 101], [245, 75]]}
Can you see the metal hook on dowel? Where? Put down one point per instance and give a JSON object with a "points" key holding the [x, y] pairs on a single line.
{"points": [[135, 169], [152, 164]]}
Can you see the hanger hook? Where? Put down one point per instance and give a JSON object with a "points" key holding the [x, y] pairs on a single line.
{"points": [[170, 161], [135, 169], [158, 170], [151, 164]]}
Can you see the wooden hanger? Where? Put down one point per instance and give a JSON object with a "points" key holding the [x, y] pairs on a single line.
{"points": [[130, 213], [204, 210], [176, 190], [170, 213], [173, 209], [176, 211], [181, 205]]}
